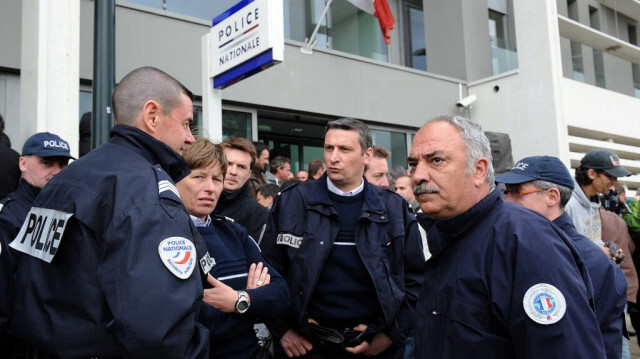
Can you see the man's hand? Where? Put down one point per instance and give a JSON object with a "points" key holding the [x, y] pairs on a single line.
{"points": [[294, 344], [220, 296], [257, 276], [379, 343]]}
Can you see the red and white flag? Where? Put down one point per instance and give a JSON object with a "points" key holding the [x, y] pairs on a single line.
{"points": [[381, 10]]}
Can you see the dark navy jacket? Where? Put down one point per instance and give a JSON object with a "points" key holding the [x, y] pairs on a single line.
{"points": [[386, 237], [13, 210], [232, 335], [107, 292], [487, 266], [244, 210], [609, 284]]}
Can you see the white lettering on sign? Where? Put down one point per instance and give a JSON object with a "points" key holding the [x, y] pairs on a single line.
{"points": [[41, 233], [289, 239], [56, 144]]}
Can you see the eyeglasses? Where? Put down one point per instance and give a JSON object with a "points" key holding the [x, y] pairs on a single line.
{"points": [[514, 191], [608, 175]]}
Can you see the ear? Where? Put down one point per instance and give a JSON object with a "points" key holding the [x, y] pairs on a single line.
{"points": [[22, 162], [553, 197], [367, 155], [480, 171], [269, 199], [150, 117], [592, 174]]}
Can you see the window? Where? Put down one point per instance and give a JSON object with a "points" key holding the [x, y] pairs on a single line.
{"points": [[576, 47], [635, 68], [503, 53], [598, 57], [344, 28], [235, 122], [395, 142], [415, 52]]}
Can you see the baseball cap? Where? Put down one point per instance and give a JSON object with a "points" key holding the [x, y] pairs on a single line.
{"points": [[46, 144], [544, 168], [604, 160]]}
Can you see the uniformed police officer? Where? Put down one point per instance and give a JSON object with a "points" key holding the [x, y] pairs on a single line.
{"points": [[502, 282], [543, 184], [111, 259], [352, 256], [43, 156]]}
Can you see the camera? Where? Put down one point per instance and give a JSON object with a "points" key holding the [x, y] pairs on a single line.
{"points": [[611, 202], [466, 102], [613, 252]]}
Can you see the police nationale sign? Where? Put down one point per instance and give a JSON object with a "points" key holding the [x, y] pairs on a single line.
{"points": [[246, 39]]}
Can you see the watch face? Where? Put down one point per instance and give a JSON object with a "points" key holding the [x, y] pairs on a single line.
{"points": [[242, 305]]}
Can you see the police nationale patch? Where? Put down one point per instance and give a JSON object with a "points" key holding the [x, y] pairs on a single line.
{"points": [[178, 255], [544, 304], [289, 239]]}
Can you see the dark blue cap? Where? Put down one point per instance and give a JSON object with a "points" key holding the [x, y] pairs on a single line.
{"points": [[544, 168], [46, 144], [606, 161]]}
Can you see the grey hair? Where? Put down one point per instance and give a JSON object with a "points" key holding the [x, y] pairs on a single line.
{"points": [[565, 192], [141, 85], [347, 123], [476, 143]]}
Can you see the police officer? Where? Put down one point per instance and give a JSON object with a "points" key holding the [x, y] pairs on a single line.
{"points": [[351, 254], [110, 264], [543, 184], [43, 156], [502, 282]]}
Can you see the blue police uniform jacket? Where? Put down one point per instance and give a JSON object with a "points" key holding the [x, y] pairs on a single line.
{"points": [[13, 210], [232, 335], [499, 280], [301, 230], [609, 284], [107, 291]]}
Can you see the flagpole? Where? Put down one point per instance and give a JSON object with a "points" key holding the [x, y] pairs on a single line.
{"points": [[309, 43]]}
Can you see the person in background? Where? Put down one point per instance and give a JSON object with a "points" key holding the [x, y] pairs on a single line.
{"points": [[501, 280], [302, 175], [259, 168], [43, 156], [316, 169], [544, 185], [267, 194], [9, 167], [243, 287], [351, 254], [377, 170], [405, 189], [235, 201], [280, 168], [119, 268]]}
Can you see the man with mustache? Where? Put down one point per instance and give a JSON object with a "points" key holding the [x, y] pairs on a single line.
{"points": [[236, 201], [351, 254], [503, 281]]}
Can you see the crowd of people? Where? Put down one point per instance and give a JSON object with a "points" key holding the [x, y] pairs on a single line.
{"points": [[232, 255]]}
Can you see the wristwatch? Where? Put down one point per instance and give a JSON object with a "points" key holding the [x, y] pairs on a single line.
{"points": [[243, 303]]}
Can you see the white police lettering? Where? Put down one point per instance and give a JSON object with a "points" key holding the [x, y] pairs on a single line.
{"points": [[41, 233], [178, 255], [56, 144], [520, 166], [544, 304], [289, 239]]}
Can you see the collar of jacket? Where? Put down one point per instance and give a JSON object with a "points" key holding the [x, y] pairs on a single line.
{"points": [[442, 231], [317, 198], [30, 192], [229, 196], [156, 152]]}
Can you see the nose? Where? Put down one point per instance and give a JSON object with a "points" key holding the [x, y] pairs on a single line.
{"points": [[232, 169], [208, 185], [57, 167], [385, 182], [420, 173], [334, 156], [189, 139]]}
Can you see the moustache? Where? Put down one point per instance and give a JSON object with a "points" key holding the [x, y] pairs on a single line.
{"points": [[423, 188]]}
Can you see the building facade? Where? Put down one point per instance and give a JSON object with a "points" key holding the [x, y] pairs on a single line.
{"points": [[560, 77]]}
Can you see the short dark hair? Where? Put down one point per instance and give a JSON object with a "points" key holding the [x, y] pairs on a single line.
{"points": [[351, 124], [259, 146], [241, 144], [269, 190], [315, 166], [582, 176], [278, 162], [141, 85]]}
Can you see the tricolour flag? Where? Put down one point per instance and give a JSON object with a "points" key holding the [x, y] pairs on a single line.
{"points": [[381, 10]]}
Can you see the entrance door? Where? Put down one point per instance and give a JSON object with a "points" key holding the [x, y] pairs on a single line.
{"points": [[300, 142]]}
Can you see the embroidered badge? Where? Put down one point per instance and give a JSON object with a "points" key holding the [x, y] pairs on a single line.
{"points": [[178, 255], [41, 233], [544, 304], [289, 239]]}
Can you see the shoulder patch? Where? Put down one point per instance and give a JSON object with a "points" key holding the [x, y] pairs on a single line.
{"points": [[41, 233], [178, 254], [544, 304]]}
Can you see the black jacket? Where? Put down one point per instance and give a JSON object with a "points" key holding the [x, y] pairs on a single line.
{"points": [[244, 209]]}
